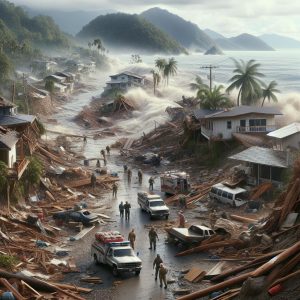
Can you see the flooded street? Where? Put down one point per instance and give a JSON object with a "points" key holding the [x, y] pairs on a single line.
{"points": [[131, 286]]}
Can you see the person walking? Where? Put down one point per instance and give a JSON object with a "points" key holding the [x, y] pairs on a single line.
{"points": [[98, 164], [156, 263], [140, 176], [102, 152], [129, 174], [182, 202], [121, 209], [163, 275], [213, 217], [93, 180], [151, 182], [108, 150], [181, 219], [131, 238], [115, 189], [127, 207], [152, 238]]}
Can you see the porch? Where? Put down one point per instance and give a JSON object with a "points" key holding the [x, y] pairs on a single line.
{"points": [[252, 129]]}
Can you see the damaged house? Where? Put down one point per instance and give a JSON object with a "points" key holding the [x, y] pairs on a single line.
{"points": [[223, 124], [124, 81]]}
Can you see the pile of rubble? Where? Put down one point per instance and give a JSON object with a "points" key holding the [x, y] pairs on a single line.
{"points": [[271, 250]]}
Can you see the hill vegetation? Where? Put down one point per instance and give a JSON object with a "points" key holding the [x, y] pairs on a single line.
{"points": [[130, 31], [20, 36], [186, 33]]}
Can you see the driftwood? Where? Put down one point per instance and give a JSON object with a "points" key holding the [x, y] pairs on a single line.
{"points": [[242, 219], [233, 243]]}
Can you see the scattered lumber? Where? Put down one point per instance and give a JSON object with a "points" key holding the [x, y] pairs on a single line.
{"points": [[243, 219]]}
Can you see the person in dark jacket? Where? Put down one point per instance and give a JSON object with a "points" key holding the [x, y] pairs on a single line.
{"points": [[156, 263], [127, 207], [121, 209]]}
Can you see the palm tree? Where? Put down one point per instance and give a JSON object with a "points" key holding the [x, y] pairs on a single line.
{"points": [[269, 92], [246, 80], [213, 99], [170, 69], [156, 79], [160, 63], [198, 84]]}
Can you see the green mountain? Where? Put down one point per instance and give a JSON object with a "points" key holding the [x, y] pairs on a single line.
{"points": [[131, 32], [186, 33], [38, 31]]}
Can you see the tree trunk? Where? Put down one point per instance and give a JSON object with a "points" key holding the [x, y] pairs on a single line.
{"points": [[238, 98], [262, 104]]}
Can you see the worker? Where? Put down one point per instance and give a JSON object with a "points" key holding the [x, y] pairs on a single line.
{"points": [[127, 207], [115, 189], [84, 139], [163, 275], [108, 150], [102, 152], [129, 174], [151, 182], [93, 180], [121, 209], [152, 238], [140, 176], [131, 238], [156, 263], [98, 164], [213, 218], [181, 219], [125, 168], [182, 202]]}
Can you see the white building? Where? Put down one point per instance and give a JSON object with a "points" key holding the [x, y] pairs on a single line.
{"points": [[8, 148], [124, 81], [287, 137], [221, 125]]}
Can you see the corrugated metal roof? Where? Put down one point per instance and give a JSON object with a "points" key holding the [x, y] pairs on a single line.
{"points": [[262, 156], [201, 113], [285, 131], [8, 140], [8, 120], [243, 110]]}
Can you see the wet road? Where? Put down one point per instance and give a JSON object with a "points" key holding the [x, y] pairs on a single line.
{"points": [[131, 286]]}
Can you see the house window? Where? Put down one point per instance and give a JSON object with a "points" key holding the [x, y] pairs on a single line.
{"points": [[258, 125], [228, 124]]}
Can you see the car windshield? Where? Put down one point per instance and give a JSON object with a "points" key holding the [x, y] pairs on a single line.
{"points": [[156, 203], [123, 252]]}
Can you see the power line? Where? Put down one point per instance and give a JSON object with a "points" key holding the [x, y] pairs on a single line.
{"points": [[210, 67]]}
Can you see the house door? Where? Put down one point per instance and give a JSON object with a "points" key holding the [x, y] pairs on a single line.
{"points": [[242, 125]]}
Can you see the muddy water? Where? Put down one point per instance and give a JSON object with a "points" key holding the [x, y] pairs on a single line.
{"points": [[131, 286]]}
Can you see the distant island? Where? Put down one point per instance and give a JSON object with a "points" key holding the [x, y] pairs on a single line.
{"points": [[131, 32], [280, 42]]}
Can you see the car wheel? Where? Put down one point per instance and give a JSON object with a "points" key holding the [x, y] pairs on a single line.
{"points": [[115, 271], [137, 273], [96, 261], [167, 217]]}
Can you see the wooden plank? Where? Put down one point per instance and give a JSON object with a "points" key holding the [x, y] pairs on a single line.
{"points": [[193, 274], [5, 283], [83, 233]]}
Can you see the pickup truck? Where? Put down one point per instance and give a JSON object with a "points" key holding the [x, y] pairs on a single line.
{"points": [[117, 255], [193, 234], [153, 205]]}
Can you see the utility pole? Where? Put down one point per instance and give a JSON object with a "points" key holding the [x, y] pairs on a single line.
{"points": [[210, 67], [25, 93], [13, 92]]}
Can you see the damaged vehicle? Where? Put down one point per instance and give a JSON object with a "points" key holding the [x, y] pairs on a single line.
{"points": [[189, 236], [83, 216], [149, 158]]}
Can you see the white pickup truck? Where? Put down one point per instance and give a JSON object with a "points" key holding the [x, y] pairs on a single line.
{"points": [[118, 255], [153, 205]]}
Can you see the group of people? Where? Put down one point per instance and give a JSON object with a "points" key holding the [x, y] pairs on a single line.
{"points": [[125, 207], [160, 270]]}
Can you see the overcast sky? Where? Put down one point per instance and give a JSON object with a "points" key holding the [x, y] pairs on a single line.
{"points": [[228, 17]]}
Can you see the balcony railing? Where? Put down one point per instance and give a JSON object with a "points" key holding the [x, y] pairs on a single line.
{"points": [[266, 128]]}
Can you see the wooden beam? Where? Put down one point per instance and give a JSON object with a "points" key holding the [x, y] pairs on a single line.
{"points": [[5, 283]]}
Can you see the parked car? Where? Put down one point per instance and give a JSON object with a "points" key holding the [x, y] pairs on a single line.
{"points": [[83, 216], [233, 196], [153, 205], [193, 234]]}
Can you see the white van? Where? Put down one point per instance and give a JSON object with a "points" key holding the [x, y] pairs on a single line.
{"points": [[227, 195]]}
